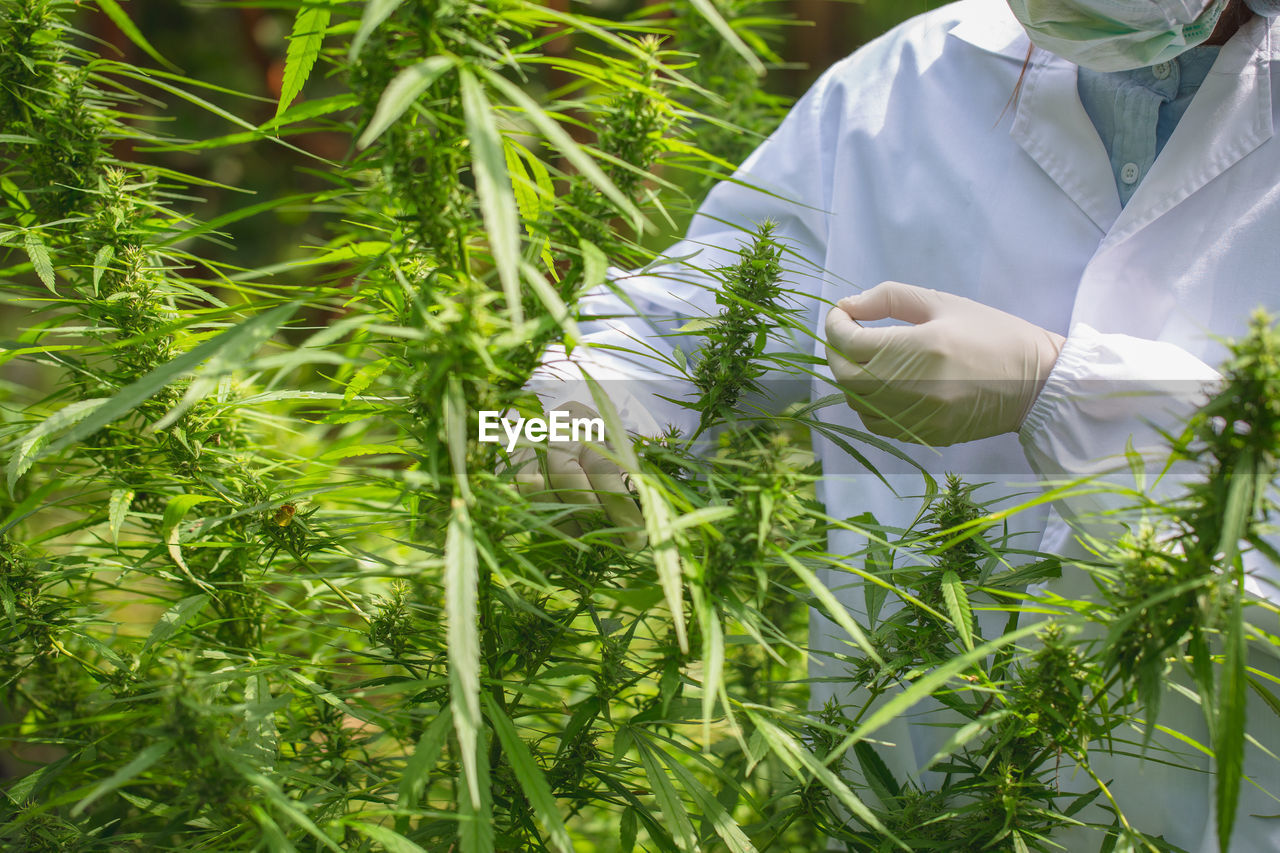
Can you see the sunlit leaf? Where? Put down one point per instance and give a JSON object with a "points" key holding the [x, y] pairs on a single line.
{"points": [[375, 13], [497, 201], [309, 27], [401, 92], [40, 259]]}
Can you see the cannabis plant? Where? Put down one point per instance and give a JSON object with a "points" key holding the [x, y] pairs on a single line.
{"points": [[265, 587]]}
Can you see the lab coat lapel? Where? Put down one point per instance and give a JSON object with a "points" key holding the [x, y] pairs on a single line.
{"points": [[1055, 131], [1229, 117], [1049, 123]]}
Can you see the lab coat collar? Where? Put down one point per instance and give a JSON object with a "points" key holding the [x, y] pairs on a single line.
{"points": [[991, 26], [1230, 116], [1049, 122]]}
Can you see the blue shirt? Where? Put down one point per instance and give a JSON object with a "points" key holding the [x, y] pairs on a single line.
{"points": [[1136, 111]]}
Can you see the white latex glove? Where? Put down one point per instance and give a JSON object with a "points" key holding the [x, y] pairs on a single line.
{"points": [[576, 473], [963, 371]]}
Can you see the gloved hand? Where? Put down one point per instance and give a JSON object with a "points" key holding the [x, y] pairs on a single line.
{"points": [[576, 473], [963, 371]]}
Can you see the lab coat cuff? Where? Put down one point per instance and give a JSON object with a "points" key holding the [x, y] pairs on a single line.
{"points": [[1107, 394], [1073, 362]]}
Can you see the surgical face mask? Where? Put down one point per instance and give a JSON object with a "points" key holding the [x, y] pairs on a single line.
{"points": [[1116, 35]]}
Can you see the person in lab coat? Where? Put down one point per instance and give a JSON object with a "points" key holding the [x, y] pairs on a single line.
{"points": [[1061, 195]]}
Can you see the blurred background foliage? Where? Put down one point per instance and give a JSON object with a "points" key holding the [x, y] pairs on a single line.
{"points": [[243, 49]]}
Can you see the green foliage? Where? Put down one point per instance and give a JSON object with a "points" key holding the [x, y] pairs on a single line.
{"points": [[261, 585]]}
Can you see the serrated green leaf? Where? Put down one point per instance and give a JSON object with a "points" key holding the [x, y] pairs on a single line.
{"points": [[141, 762], [225, 360], [401, 92], [117, 510], [309, 27], [876, 772], [260, 743], [416, 771], [173, 619], [475, 823], [362, 450], [1272, 701], [627, 830], [493, 186], [8, 602], [375, 13], [391, 841], [148, 386], [1229, 737], [102, 263], [364, 377], [675, 815], [710, 808], [25, 454], [460, 579], [534, 196], [174, 512], [879, 563], [958, 607], [40, 260], [531, 778], [528, 198], [712, 665]]}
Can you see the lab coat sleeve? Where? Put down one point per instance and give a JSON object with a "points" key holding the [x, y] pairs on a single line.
{"points": [[629, 323], [1109, 397]]}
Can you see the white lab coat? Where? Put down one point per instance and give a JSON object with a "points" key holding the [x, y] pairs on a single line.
{"points": [[912, 164]]}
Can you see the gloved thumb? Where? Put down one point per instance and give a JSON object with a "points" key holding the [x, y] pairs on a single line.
{"points": [[893, 300]]}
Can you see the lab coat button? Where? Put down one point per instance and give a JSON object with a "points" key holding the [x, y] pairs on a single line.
{"points": [[1129, 173], [1161, 70]]}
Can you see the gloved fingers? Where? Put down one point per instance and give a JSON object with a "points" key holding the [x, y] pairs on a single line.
{"points": [[884, 403], [578, 410], [603, 477], [884, 427], [611, 490], [863, 345], [566, 477], [842, 332], [893, 299], [528, 471], [532, 484], [855, 378], [896, 356], [924, 421]]}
